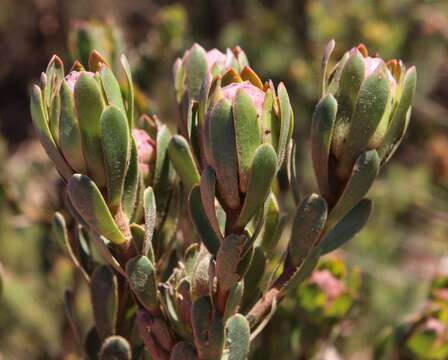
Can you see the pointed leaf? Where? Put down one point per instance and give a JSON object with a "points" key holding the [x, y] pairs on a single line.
{"points": [[400, 118], [59, 230], [40, 123], [149, 204], [130, 91], [286, 123], [250, 75], [131, 184], [89, 203], [163, 173], [323, 67]]}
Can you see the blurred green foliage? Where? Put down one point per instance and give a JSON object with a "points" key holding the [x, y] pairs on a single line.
{"points": [[404, 244]]}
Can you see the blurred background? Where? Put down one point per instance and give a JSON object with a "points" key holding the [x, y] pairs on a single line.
{"points": [[395, 257]]}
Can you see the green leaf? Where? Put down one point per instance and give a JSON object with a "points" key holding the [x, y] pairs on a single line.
{"points": [[323, 67], [303, 271], [322, 126], [400, 118], [233, 300], [207, 189], [196, 68], [69, 133], [253, 276], [116, 149], [272, 218], [183, 161], [59, 230], [200, 276], [208, 330], [221, 152], [373, 98], [183, 351], [247, 134], [89, 203], [201, 223], [104, 298], [92, 344], [286, 123], [269, 123], [163, 173], [261, 175], [227, 260], [54, 115], [111, 88], [352, 77], [238, 337], [54, 74], [89, 107], [347, 227], [149, 204], [142, 279], [130, 90], [363, 174], [309, 221], [115, 348], [40, 123], [69, 309], [131, 184]]}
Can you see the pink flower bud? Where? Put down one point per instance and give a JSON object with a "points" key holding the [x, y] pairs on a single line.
{"points": [[214, 56], [256, 94], [73, 77], [146, 151]]}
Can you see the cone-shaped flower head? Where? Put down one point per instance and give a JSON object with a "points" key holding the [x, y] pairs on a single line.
{"points": [[194, 72], [365, 105], [247, 128], [84, 123]]}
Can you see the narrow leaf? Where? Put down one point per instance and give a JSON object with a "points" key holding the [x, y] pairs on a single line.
{"points": [[116, 149], [104, 298]]}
